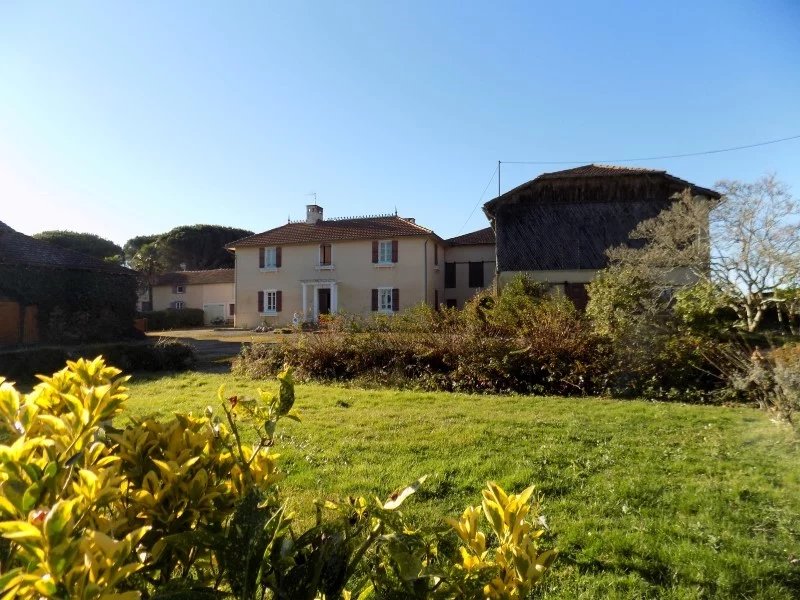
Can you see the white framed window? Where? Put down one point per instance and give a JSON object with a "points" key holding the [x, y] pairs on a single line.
{"points": [[179, 304], [270, 302], [385, 252], [385, 300], [271, 257], [180, 289]]}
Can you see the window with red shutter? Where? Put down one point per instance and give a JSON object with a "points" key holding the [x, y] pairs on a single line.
{"points": [[374, 300], [395, 247]]}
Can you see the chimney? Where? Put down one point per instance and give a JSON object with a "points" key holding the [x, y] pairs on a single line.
{"points": [[313, 214], [411, 220]]}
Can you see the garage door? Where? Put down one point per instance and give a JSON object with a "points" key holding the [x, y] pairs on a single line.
{"points": [[213, 312]]}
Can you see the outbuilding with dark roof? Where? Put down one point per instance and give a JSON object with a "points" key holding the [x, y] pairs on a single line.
{"points": [[56, 295], [558, 226]]}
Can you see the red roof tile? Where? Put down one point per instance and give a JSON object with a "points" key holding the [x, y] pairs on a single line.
{"points": [[482, 236], [196, 277], [362, 228]]}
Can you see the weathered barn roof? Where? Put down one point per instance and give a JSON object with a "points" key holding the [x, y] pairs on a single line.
{"points": [[335, 230], [19, 249], [481, 237], [196, 277], [593, 182], [568, 219]]}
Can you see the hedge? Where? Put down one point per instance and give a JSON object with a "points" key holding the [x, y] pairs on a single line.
{"points": [[173, 318], [164, 355]]}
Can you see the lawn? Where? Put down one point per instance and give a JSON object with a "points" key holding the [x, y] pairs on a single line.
{"points": [[644, 500]]}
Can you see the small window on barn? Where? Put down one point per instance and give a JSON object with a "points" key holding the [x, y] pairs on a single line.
{"points": [[178, 304], [449, 274], [180, 289], [476, 274]]}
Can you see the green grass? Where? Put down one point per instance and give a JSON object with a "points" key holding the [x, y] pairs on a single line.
{"points": [[644, 500]]}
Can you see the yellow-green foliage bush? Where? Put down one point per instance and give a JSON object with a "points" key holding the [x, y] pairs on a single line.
{"points": [[185, 509]]}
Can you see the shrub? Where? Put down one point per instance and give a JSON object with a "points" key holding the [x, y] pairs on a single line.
{"points": [[173, 318], [769, 378], [550, 350], [164, 355], [185, 509], [786, 369]]}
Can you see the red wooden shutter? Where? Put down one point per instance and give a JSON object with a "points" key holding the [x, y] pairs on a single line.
{"points": [[261, 258], [278, 257], [278, 301], [261, 302], [395, 300], [374, 299], [374, 254], [394, 251]]}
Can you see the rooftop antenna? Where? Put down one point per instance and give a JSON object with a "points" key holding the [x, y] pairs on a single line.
{"points": [[313, 194], [395, 211]]}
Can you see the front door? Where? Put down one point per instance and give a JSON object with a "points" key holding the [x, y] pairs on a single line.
{"points": [[324, 301]]}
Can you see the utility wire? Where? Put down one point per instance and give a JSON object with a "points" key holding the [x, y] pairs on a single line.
{"points": [[622, 160], [479, 201]]}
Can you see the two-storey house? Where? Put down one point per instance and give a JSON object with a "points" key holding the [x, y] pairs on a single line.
{"points": [[362, 265], [211, 290]]}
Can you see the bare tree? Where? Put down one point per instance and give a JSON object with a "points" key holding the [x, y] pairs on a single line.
{"points": [[746, 245]]}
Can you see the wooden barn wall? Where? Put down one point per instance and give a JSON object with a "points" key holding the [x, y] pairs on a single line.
{"points": [[547, 236], [9, 322], [570, 224]]}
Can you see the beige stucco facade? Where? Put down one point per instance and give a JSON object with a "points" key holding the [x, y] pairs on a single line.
{"points": [[215, 299], [348, 281], [461, 256]]}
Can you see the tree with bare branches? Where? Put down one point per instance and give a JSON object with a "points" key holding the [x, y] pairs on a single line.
{"points": [[745, 247]]}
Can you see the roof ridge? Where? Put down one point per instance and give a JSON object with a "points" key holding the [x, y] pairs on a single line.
{"points": [[621, 167], [202, 270]]}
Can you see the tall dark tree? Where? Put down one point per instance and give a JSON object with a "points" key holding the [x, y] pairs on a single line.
{"points": [[200, 246], [133, 245], [85, 243], [193, 247]]}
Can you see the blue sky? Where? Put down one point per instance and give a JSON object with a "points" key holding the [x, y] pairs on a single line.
{"points": [[131, 118]]}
